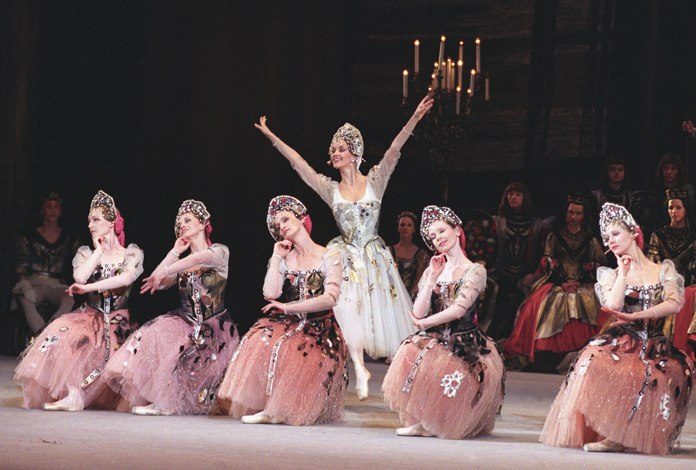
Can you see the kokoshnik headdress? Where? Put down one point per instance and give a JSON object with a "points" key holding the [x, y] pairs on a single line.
{"points": [[613, 214], [106, 203], [198, 209], [432, 214], [351, 135], [286, 203]]}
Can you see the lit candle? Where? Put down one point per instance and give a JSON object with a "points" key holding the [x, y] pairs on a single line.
{"points": [[441, 57], [405, 84], [459, 98], [472, 81], [460, 66], [434, 84], [417, 57], [452, 75], [478, 55], [488, 96], [448, 83], [461, 51], [430, 91]]}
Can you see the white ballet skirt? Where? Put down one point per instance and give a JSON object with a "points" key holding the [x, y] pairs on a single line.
{"points": [[373, 306]]}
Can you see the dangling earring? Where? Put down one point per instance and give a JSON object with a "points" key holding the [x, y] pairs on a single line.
{"points": [[329, 162]]}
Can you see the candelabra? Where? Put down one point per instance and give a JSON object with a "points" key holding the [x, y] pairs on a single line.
{"points": [[446, 127]]}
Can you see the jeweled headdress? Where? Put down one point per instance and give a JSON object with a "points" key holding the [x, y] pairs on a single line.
{"points": [[613, 214], [52, 196], [352, 136], [197, 208], [432, 214], [105, 203], [677, 193], [283, 203]]}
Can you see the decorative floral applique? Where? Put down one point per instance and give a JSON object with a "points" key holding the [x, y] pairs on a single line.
{"points": [[49, 343], [451, 383], [664, 407]]}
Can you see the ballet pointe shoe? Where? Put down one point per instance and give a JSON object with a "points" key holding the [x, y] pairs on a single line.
{"points": [[259, 418], [603, 446], [362, 388], [73, 402], [149, 410], [415, 430]]}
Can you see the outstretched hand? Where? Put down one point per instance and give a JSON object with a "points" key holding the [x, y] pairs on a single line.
{"points": [[153, 282], [423, 107], [622, 318], [263, 127], [77, 289]]}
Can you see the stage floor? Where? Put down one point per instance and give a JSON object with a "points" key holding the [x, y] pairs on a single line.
{"points": [[97, 440]]}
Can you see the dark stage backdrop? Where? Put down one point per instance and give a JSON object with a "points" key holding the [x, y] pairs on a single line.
{"points": [[154, 102]]}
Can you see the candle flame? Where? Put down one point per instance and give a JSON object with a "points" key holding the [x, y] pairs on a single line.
{"points": [[478, 41], [460, 63], [405, 73], [461, 43], [468, 90], [442, 39], [433, 76], [473, 71], [417, 43], [459, 89], [435, 64]]}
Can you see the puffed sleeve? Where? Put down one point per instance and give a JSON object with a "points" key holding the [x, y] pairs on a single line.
{"points": [[380, 173], [606, 278], [474, 283], [82, 255], [131, 269], [273, 282], [216, 257], [673, 284], [321, 184]]}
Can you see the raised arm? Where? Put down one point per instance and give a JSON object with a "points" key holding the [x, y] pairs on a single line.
{"points": [[84, 262], [319, 183], [273, 282], [426, 285], [392, 154]]}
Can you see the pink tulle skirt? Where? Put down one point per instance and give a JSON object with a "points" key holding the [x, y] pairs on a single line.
{"points": [[611, 393], [453, 392], [161, 364], [68, 351], [293, 371]]}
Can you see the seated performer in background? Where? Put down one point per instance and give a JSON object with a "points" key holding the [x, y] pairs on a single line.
{"points": [[520, 242], [374, 304], [629, 388], [447, 380], [677, 242], [561, 315], [64, 363], [411, 260], [172, 364], [291, 366], [43, 265]]}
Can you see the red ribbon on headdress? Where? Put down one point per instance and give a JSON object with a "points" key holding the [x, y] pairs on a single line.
{"points": [[462, 242], [208, 229], [307, 224], [118, 228], [640, 239]]}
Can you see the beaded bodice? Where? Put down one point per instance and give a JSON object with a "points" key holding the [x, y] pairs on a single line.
{"points": [[204, 289], [357, 221], [108, 300]]}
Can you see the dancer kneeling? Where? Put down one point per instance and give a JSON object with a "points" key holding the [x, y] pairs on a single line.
{"points": [[447, 380], [629, 387], [291, 367], [65, 361], [172, 364]]}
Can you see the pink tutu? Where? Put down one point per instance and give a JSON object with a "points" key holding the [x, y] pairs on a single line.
{"points": [[454, 392], [611, 393], [161, 364], [307, 383], [68, 351]]}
